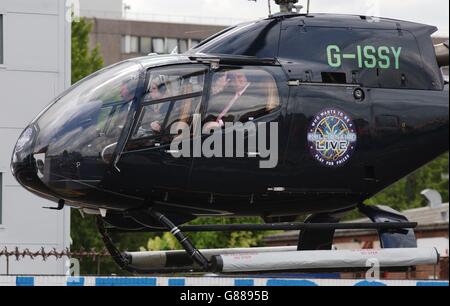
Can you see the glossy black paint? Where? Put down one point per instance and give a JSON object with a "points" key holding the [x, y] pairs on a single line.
{"points": [[401, 125]]}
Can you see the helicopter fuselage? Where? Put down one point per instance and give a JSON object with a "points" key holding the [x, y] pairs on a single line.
{"points": [[351, 105]]}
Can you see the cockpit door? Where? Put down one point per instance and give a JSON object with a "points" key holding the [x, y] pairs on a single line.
{"points": [[242, 142], [173, 95]]}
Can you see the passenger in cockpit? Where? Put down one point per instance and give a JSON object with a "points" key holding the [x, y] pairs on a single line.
{"points": [[229, 89], [157, 112]]}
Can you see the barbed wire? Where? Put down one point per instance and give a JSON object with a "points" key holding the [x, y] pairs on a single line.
{"points": [[44, 255]]}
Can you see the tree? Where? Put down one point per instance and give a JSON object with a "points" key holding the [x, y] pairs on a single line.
{"points": [[84, 63], [84, 60], [212, 240], [405, 194]]}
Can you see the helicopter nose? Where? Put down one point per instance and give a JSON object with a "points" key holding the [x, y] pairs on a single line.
{"points": [[22, 166], [27, 167]]}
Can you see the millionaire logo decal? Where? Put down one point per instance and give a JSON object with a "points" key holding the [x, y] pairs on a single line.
{"points": [[332, 137]]}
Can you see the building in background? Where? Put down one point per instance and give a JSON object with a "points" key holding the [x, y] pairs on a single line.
{"points": [[121, 39], [34, 68], [432, 232]]}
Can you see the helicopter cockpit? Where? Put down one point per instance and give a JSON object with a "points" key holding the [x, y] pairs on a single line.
{"points": [[74, 137], [134, 106]]}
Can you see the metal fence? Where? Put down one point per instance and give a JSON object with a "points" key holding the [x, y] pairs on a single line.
{"points": [[43, 254]]}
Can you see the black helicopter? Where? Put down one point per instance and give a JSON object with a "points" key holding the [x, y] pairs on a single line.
{"points": [[326, 111]]}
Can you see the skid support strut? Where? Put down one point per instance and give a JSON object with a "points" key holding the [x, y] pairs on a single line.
{"points": [[185, 242]]}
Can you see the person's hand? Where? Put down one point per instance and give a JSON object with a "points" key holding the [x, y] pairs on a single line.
{"points": [[156, 126], [211, 126]]}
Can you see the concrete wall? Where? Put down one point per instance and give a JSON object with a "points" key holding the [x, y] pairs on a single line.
{"points": [[36, 68], [108, 34]]}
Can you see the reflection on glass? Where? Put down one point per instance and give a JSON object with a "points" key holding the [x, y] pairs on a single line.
{"points": [[173, 96], [241, 95], [91, 116], [157, 120], [172, 82]]}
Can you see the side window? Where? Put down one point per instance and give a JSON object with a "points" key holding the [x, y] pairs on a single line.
{"points": [[173, 97], [241, 95], [1, 39], [1, 197]]}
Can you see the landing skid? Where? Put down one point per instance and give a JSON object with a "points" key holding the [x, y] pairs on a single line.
{"points": [[317, 234]]}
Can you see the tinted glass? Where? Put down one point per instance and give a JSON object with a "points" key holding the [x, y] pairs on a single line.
{"points": [[91, 116], [241, 95], [258, 39], [175, 81], [157, 120], [173, 96]]}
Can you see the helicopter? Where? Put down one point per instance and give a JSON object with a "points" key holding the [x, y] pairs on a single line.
{"points": [[294, 114]]}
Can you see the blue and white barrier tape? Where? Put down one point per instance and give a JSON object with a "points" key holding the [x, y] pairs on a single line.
{"points": [[199, 281]]}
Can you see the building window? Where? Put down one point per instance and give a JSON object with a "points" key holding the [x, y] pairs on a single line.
{"points": [[1, 195], [158, 45], [172, 45], [134, 44], [125, 44], [182, 45], [146, 45], [1, 48], [130, 44]]}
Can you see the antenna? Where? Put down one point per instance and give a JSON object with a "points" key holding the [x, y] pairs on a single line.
{"points": [[288, 6]]}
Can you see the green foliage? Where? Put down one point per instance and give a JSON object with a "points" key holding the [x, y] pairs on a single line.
{"points": [[85, 237], [213, 240], [405, 194], [84, 60]]}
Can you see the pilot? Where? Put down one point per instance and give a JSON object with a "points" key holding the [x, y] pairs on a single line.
{"points": [[127, 90], [154, 114], [228, 90], [127, 94], [219, 85], [157, 90]]}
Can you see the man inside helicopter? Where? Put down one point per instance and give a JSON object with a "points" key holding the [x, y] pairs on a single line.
{"points": [[157, 91], [239, 96]]}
